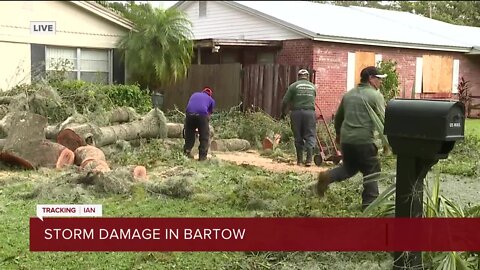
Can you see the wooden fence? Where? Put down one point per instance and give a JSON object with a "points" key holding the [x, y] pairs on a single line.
{"points": [[265, 85], [259, 86], [224, 79]]}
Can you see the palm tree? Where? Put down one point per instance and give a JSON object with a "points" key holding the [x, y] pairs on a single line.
{"points": [[159, 50]]}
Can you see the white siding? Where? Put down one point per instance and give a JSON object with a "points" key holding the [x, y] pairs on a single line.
{"points": [[75, 26], [225, 22], [15, 67]]}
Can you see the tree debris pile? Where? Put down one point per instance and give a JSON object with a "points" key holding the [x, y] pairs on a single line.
{"points": [[77, 186]]}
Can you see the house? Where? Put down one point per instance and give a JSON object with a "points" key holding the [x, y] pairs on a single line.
{"points": [[36, 36], [432, 56]]}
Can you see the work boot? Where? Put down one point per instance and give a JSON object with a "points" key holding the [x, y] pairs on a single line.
{"points": [[299, 157], [202, 157], [322, 183], [308, 162]]}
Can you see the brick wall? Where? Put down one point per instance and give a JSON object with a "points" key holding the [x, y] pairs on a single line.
{"points": [[330, 62]]}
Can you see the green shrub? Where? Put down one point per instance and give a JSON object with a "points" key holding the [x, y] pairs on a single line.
{"points": [[88, 97], [390, 84]]}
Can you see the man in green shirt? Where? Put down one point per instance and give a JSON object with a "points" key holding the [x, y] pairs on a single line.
{"points": [[355, 127], [301, 96]]}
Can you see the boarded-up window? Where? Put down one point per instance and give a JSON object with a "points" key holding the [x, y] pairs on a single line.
{"points": [[437, 74], [363, 60], [356, 61]]}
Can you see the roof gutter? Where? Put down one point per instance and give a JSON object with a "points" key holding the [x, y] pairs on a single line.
{"points": [[384, 43], [474, 51]]}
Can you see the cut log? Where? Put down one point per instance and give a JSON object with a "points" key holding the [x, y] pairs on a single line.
{"points": [[87, 152], [66, 158], [26, 144], [77, 119], [229, 145], [174, 130], [139, 172], [44, 154], [78, 135], [153, 125], [123, 114], [268, 143], [95, 165]]}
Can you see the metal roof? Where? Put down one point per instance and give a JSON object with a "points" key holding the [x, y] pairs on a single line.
{"points": [[362, 25]]}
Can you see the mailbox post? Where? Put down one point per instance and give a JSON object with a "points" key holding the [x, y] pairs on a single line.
{"points": [[420, 133]]}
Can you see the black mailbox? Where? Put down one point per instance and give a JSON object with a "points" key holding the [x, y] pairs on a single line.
{"points": [[420, 133], [424, 128]]}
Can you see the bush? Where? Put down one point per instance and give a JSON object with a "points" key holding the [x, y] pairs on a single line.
{"points": [[390, 84], [87, 97]]}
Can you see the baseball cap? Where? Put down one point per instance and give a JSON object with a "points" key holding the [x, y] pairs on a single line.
{"points": [[371, 71], [303, 72], [208, 91]]}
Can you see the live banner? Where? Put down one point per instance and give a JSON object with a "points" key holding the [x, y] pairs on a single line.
{"points": [[254, 234]]}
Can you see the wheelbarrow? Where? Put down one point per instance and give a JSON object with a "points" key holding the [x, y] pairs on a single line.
{"points": [[328, 150]]}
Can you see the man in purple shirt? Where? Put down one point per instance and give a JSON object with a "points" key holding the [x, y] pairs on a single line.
{"points": [[199, 108]]}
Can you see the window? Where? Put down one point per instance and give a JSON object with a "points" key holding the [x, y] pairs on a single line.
{"points": [[358, 61], [202, 9], [91, 65], [436, 75]]}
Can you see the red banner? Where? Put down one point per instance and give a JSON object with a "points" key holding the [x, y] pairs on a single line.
{"points": [[254, 234]]}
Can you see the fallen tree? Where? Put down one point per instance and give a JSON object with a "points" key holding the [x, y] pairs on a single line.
{"points": [[26, 145], [152, 125], [229, 145]]}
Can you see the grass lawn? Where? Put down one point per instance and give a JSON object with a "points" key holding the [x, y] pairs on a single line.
{"points": [[215, 189], [472, 127], [219, 189]]}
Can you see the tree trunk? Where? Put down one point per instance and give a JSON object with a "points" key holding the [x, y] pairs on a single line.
{"points": [[229, 145], [123, 114], [77, 119], [153, 125], [95, 166], [174, 130], [26, 144], [78, 135], [84, 153]]}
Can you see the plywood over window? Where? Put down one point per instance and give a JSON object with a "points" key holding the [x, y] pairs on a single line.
{"points": [[437, 74], [363, 60]]}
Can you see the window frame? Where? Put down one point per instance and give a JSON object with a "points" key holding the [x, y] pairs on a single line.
{"points": [[78, 59]]}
